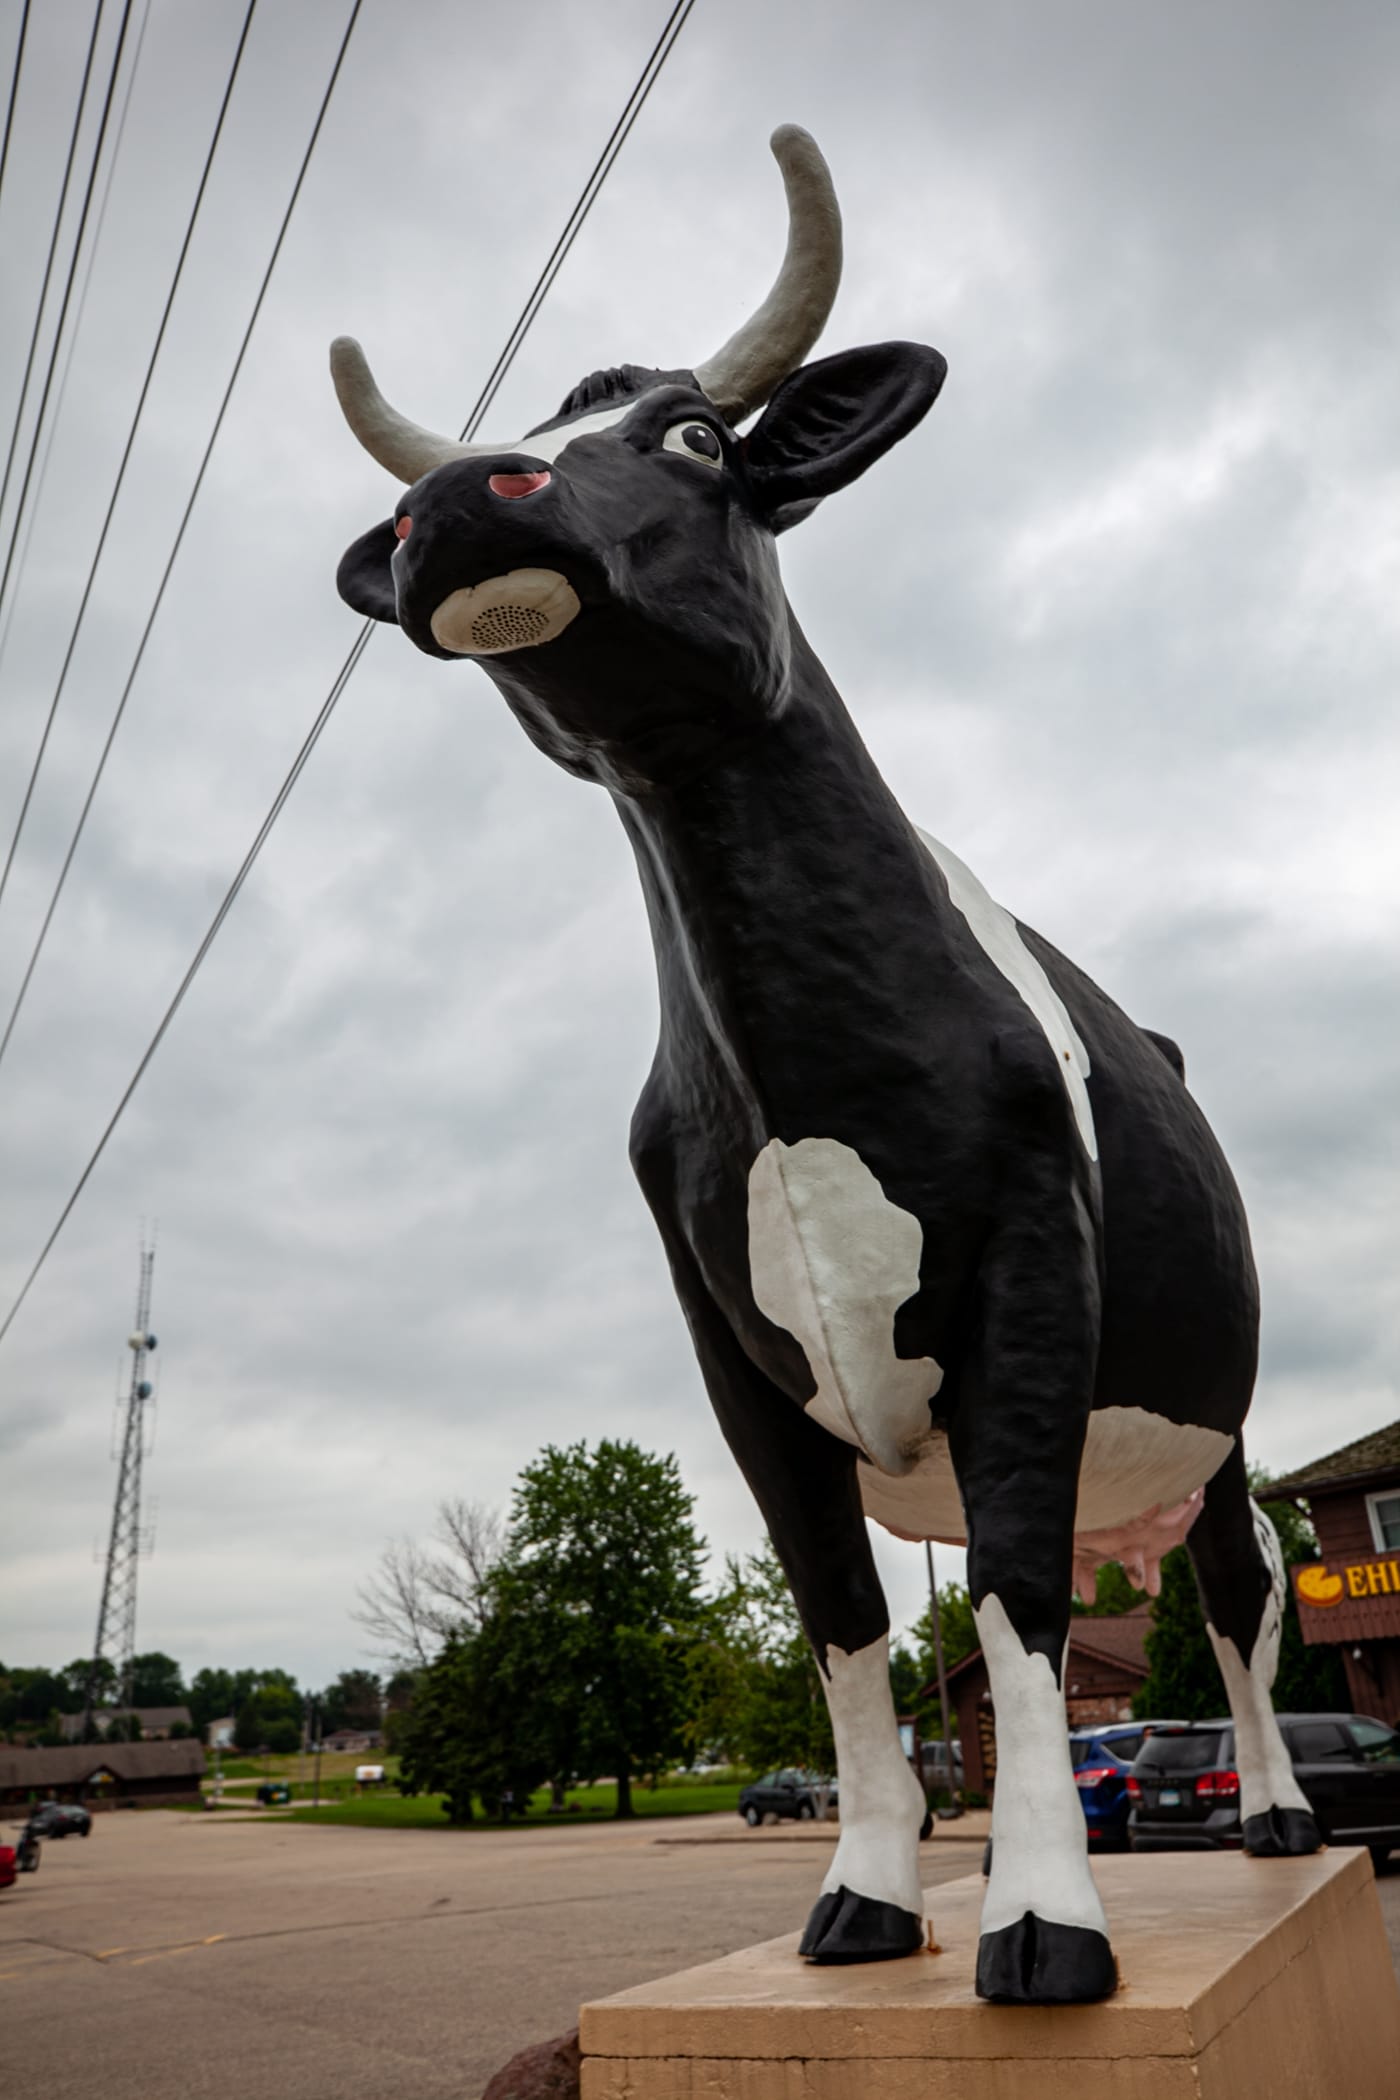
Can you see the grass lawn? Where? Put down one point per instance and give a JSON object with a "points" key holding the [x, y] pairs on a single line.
{"points": [[387, 1809], [335, 1764]]}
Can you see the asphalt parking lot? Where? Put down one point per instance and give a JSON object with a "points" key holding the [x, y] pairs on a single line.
{"points": [[212, 1957]]}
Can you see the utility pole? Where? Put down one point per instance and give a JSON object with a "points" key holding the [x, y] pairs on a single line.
{"points": [[942, 1677], [116, 1617]]}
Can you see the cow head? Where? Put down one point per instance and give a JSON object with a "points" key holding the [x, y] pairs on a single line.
{"points": [[614, 570]]}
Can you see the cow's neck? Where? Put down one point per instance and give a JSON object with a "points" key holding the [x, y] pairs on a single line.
{"points": [[783, 885]]}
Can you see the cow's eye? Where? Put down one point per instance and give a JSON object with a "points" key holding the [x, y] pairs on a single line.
{"points": [[696, 441]]}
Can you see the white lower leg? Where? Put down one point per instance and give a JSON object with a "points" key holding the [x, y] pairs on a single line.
{"points": [[882, 1803], [1265, 1769], [1040, 1856]]}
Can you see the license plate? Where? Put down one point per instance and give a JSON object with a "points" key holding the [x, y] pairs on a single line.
{"points": [[1170, 1797]]}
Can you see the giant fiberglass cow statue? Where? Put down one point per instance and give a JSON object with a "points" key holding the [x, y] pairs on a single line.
{"points": [[956, 1247]]}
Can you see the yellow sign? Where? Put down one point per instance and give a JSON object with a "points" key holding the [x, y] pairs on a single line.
{"points": [[1316, 1586], [1368, 1578]]}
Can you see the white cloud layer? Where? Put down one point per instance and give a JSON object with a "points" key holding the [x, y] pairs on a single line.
{"points": [[1120, 622]]}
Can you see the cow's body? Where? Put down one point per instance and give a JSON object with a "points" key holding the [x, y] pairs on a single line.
{"points": [[955, 1245]]}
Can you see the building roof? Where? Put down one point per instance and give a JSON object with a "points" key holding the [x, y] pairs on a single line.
{"points": [[1377, 1453], [1119, 1639], [71, 1764]]}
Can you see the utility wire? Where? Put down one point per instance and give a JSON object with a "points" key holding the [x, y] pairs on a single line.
{"points": [[178, 541], [67, 295], [632, 109], [74, 335], [127, 449], [53, 250], [14, 91]]}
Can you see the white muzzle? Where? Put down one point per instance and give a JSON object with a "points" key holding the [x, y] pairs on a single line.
{"points": [[516, 611]]}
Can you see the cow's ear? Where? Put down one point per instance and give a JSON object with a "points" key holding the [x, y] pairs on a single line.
{"points": [[833, 419], [364, 578]]}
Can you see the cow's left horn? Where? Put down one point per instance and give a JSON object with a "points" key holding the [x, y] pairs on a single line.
{"points": [[759, 356], [405, 448]]}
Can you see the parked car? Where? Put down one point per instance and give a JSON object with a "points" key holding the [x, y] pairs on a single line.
{"points": [[1101, 1757], [791, 1792], [933, 1766], [1185, 1788], [7, 1866], [60, 1819], [273, 1793]]}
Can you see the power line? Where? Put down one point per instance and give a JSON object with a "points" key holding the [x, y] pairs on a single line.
{"points": [[67, 295], [632, 109], [53, 250], [26, 526], [127, 449], [178, 541], [14, 91]]}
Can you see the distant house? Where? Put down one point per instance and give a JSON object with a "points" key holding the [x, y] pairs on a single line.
{"points": [[353, 1739], [1105, 1665], [155, 1722], [102, 1775], [219, 1734], [1350, 1599]]}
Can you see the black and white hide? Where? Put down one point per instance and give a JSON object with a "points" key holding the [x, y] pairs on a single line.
{"points": [[956, 1247]]}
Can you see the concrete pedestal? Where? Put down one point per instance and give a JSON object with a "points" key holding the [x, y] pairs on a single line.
{"points": [[1240, 1977]]}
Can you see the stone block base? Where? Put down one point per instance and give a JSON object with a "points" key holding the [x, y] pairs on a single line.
{"points": [[1239, 1978]]}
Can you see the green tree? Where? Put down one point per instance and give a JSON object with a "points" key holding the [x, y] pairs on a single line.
{"points": [[471, 1728], [271, 1715], [754, 1689], [156, 1680], [599, 1586], [355, 1700]]}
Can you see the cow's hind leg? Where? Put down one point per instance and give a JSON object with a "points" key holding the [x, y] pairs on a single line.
{"points": [[1239, 1571], [1017, 1440]]}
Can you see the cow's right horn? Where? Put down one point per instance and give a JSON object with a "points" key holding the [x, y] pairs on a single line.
{"points": [[405, 448], [760, 355]]}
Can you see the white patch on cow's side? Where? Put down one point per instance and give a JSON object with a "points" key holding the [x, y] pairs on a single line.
{"points": [[999, 936], [1133, 1461], [1264, 1766], [831, 1260], [548, 444], [1040, 1851], [882, 1803]]}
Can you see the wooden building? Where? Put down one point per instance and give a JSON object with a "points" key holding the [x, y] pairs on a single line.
{"points": [[1105, 1666], [1350, 1599], [102, 1775]]}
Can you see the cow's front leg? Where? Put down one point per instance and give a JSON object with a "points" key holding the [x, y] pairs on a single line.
{"points": [[871, 1906], [1017, 1441], [804, 1480]]}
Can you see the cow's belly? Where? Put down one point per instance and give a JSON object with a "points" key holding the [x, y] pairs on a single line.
{"points": [[1134, 1464]]}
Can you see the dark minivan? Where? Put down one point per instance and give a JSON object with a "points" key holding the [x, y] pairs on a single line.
{"points": [[1185, 1789]]}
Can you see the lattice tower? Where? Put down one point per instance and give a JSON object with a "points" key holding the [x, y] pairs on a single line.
{"points": [[116, 1618]]}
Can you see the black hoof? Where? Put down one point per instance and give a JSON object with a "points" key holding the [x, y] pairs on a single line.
{"points": [[1281, 1833], [1037, 1962], [846, 1927]]}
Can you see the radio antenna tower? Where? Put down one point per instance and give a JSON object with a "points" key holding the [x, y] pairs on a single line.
{"points": [[116, 1618]]}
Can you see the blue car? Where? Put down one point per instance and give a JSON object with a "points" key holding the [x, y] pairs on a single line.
{"points": [[1101, 1758]]}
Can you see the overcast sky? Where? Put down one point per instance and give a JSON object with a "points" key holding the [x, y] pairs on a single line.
{"points": [[1120, 623]]}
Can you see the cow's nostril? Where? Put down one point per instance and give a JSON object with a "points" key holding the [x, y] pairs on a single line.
{"points": [[404, 527], [512, 485]]}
